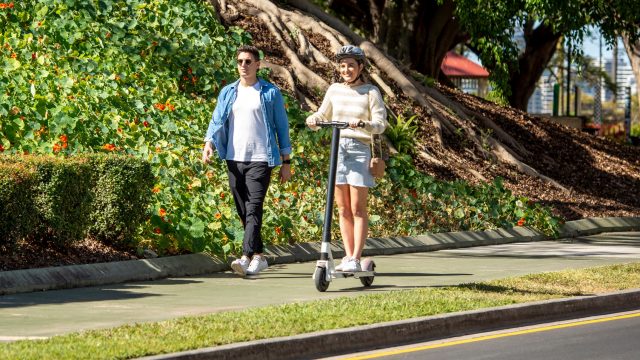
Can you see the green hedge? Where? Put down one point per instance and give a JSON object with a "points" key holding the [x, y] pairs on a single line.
{"points": [[121, 195], [62, 197], [105, 197], [17, 213]]}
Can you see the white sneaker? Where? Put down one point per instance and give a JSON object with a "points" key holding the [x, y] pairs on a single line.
{"points": [[352, 266], [258, 263], [240, 266], [344, 261]]}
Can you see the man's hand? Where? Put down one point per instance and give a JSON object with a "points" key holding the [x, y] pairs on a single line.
{"points": [[207, 152], [285, 173]]}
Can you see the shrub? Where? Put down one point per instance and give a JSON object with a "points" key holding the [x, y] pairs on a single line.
{"points": [[402, 134], [17, 213], [61, 197], [121, 193]]}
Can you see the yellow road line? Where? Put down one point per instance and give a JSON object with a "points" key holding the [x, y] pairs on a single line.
{"points": [[495, 336]]}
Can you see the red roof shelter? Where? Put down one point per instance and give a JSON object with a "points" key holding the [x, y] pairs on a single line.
{"points": [[464, 73]]}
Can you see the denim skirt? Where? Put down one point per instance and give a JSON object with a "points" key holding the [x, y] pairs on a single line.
{"points": [[353, 164]]}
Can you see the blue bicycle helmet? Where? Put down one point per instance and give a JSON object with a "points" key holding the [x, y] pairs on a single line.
{"points": [[351, 51]]}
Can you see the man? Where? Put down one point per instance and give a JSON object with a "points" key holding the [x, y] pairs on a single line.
{"points": [[250, 130]]}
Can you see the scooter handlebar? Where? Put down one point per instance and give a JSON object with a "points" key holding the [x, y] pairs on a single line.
{"points": [[337, 124]]}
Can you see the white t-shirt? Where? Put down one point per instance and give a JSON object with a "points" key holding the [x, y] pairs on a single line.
{"points": [[247, 130]]}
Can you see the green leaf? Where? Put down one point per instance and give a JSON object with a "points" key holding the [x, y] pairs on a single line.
{"points": [[197, 229], [11, 64]]}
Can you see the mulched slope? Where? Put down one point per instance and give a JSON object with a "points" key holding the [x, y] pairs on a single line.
{"points": [[603, 176]]}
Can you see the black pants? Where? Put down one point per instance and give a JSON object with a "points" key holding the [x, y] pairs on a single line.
{"points": [[249, 182]]}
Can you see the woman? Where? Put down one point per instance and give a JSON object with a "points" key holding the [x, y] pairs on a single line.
{"points": [[353, 101]]}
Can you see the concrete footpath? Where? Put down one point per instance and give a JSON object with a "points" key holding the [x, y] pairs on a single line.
{"points": [[119, 294]]}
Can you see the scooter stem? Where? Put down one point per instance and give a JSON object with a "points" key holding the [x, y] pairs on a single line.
{"points": [[331, 182]]}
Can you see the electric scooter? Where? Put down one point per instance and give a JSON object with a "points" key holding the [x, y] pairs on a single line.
{"points": [[325, 269]]}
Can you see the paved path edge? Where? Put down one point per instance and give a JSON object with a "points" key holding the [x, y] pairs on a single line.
{"points": [[64, 277], [360, 338]]}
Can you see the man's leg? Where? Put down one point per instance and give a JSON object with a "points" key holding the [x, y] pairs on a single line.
{"points": [[237, 184], [257, 178]]}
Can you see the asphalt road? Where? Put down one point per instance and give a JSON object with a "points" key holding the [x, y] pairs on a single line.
{"points": [[612, 337]]}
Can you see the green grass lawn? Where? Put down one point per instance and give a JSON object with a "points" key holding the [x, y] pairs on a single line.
{"points": [[274, 321]]}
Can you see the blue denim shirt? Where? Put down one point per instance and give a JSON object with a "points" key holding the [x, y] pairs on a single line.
{"points": [[274, 114]]}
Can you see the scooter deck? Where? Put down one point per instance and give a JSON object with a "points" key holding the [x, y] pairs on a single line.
{"points": [[355, 274]]}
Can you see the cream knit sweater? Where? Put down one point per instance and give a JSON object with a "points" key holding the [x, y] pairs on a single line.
{"points": [[362, 102]]}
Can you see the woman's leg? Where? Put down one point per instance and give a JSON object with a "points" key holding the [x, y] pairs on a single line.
{"points": [[360, 217], [343, 201]]}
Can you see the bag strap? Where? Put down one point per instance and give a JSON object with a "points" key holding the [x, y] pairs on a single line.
{"points": [[373, 140]]}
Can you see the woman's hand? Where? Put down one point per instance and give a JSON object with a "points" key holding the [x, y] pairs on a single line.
{"points": [[356, 124], [311, 122]]}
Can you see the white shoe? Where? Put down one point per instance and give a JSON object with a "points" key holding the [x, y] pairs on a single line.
{"points": [[342, 263], [258, 263], [240, 266], [352, 266]]}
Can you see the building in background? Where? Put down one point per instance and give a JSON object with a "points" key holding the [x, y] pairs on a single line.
{"points": [[541, 102], [624, 79], [467, 75]]}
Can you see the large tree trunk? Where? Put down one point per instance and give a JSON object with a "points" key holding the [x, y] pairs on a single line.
{"points": [[541, 44], [418, 33], [633, 50]]}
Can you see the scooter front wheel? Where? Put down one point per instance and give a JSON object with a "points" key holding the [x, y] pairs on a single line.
{"points": [[320, 278]]}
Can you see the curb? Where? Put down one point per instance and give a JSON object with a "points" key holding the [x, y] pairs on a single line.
{"points": [[72, 276], [64, 277], [332, 342]]}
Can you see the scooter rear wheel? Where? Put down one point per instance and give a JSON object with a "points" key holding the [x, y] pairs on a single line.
{"points": [[367, 265], [320, 278]]}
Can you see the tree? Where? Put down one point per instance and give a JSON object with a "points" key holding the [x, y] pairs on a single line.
{"points": [[420, 32]]}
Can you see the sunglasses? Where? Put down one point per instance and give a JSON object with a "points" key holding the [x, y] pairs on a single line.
{"points": [[244, 61]]}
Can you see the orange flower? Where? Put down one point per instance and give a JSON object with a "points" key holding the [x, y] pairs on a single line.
{"points": [[146, 124], [14, 55], [162, 212], [63, 138], [218, 216], [521, 222], [156, 189], [222, 195], [56, 148], [170, 107], [157, 231], [278, 230], [159, 106], [109, 147], [6, 5]]}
